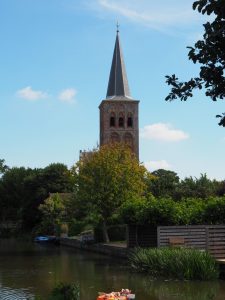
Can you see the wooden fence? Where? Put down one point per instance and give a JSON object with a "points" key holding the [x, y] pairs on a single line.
{"points": [[205, 237]]}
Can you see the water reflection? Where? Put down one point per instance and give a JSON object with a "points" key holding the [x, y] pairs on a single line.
{"points": [[14, 294], [27, 269], [176, 290]]}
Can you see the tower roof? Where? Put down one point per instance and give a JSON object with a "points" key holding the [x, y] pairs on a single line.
{"points": [[118, 83]]}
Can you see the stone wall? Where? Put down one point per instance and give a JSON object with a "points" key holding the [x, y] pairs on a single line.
{"points": [[107, 249]]}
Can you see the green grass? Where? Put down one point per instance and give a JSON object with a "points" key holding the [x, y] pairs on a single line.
{"points": [[175, 263]]}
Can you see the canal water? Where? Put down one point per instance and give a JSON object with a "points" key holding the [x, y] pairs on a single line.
{"points": [[28, 269]]}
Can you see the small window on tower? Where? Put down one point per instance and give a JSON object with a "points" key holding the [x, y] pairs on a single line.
{"points": [[129, 122], [121, 122], [112, 122]]}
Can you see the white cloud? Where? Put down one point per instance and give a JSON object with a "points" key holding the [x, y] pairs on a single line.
{"points": [[157, 164], [29, 94], [68, 95], [163, 132], [157, 15]]}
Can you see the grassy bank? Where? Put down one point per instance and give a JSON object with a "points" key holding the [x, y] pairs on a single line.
{"points": [[175, 263]]}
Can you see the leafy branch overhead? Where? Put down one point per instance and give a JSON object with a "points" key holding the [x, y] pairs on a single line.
{"points": [[210, 54]]}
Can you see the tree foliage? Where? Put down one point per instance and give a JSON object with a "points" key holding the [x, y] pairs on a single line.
{"points": [[210, 54], [53, 212], [3, 166], [163, 183], [106, 179], [22, 190], [166, 211], [202, 187]]}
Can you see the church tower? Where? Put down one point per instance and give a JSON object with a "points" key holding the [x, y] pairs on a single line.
{"points": [[119, 111]]}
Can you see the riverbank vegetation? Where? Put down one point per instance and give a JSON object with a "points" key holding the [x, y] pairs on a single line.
{"points": [[108, 187], [174, 263], [22, 190], [167, 211]]}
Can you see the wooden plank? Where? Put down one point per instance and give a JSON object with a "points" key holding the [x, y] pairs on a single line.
{"points": [[195, 241], [217, 242], [200, 234], [173, 241], [221, 236], [217, 251], [217, 248], [182, 230], [183, 226]]}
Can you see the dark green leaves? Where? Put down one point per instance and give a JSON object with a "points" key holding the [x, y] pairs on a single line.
{"points": [[210, 54]]}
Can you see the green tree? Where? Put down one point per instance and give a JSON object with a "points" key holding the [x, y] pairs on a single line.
{"points": [[53, 212], [3, 167], [55, 178], [164, 183], [106, 179], [13, 193], [192, 187], [210, 54], [23, 190], [220, 191]]}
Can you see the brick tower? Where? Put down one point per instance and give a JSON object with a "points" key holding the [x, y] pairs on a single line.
{"points": [[119, 111]]}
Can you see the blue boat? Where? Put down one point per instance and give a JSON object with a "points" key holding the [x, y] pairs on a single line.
{"points": [[46, 239], [41, 239]]}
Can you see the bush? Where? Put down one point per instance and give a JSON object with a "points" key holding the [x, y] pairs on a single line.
{"points": [[179, 263], [166, 211]]}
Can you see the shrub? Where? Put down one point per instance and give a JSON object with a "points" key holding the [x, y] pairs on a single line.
{"points": [[179, 263], [166, 211]]}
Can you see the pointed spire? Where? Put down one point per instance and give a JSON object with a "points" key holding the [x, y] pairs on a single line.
{"points": [[118, 83]]}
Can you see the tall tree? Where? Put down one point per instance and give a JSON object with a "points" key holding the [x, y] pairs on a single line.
{"points": [[23, 190], [107, 178], [201, 187], [210, 54], [53, 212], [13, 193], [164, 183], [55, 178]]}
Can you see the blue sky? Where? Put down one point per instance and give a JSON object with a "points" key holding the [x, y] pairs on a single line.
{"points": [[55, 62]]}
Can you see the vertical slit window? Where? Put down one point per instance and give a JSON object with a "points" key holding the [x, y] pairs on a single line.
{"points": [[112, 122], [121, 122], [129, 122]]}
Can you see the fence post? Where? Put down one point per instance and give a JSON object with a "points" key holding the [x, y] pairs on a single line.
{"points": [[207, 237], [158, 237]]}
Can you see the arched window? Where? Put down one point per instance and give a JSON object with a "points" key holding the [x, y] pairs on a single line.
{"points": [[121, 120], [112, 121], [128, 140], [129, 120], [114, 138]]}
